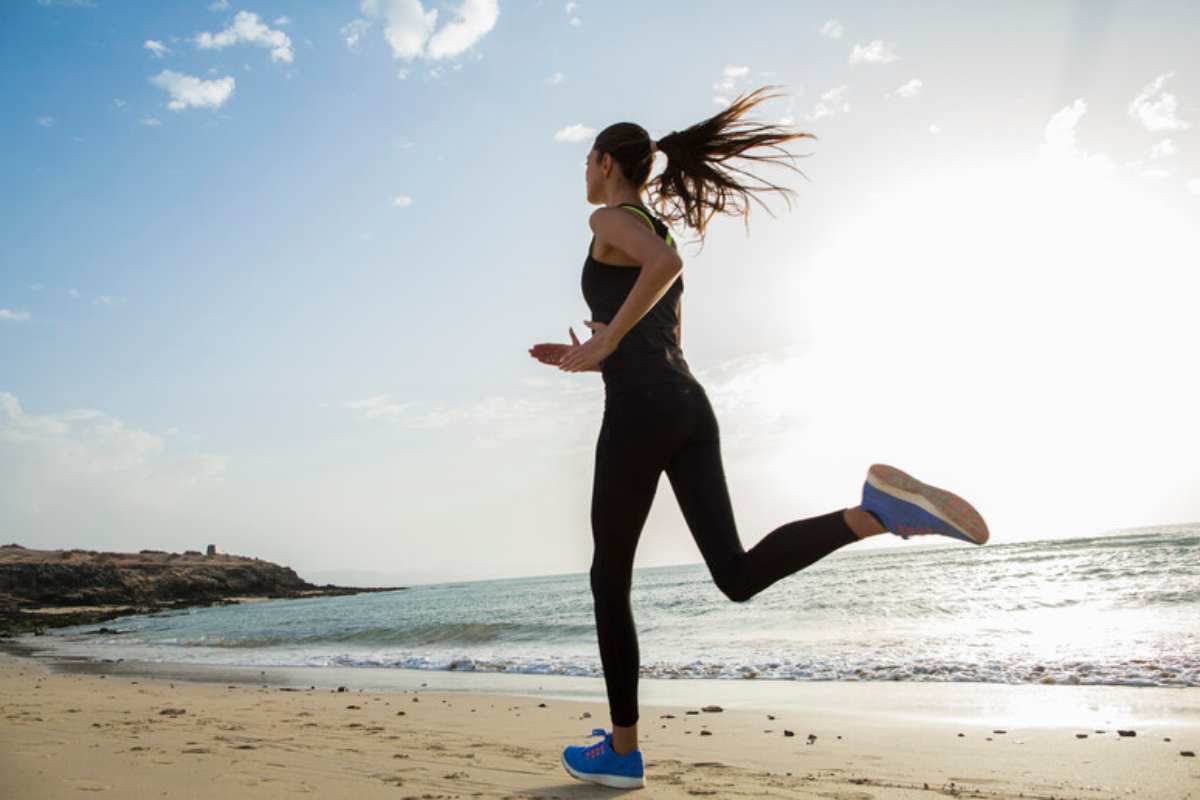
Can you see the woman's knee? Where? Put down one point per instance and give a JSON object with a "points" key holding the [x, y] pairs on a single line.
{"points": [[732, 582], [608, 581]]}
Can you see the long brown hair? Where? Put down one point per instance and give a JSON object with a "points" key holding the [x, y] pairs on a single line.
{"points": [[698, 182]]}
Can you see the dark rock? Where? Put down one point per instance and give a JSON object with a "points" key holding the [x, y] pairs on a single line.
{"points": [[1126, 733]]}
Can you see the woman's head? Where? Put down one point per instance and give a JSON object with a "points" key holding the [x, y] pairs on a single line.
{"points": [[696, 184]]}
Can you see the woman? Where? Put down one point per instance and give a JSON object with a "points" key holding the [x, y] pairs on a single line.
{"points": [[657, 416]]}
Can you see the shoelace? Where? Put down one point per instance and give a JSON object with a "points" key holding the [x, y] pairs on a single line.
{"points": [[598, 748]]}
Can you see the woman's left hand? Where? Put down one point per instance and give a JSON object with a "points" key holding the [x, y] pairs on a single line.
{"points": [[587, 356]]}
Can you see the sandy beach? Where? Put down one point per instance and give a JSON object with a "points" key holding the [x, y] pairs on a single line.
{"points": [[146, 730]]}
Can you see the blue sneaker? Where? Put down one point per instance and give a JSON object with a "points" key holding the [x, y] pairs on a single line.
{"points": [[907, 507], [599, 763]]}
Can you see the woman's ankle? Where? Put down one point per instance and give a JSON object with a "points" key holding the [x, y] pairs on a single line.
{"points": [[624, 739], [863, 522]]}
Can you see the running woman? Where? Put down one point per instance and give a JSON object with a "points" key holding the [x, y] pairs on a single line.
{"points": [[657, 416]]}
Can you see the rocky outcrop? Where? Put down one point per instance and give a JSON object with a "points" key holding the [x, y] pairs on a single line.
{"points": [[35, 585]]}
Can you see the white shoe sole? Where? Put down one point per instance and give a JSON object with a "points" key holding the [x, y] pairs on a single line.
{"points": [[615, 781]]}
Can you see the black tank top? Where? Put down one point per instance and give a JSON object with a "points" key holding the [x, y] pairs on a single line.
{"points": [[650, 351]]}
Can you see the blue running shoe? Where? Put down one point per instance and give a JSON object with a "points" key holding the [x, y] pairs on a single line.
{"points": [[907, 507], [599, 763]]}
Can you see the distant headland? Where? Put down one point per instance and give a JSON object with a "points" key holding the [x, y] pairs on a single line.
{"points": [[42, 589]]}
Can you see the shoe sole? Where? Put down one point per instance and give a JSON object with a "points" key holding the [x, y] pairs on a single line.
{"points": [[615, 781], [948, 507]]}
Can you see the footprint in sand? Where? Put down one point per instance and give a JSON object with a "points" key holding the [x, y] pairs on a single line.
{"points": [[85, 785]]}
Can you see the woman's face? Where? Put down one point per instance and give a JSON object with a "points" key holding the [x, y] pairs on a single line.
{"points": [[594, 178]]}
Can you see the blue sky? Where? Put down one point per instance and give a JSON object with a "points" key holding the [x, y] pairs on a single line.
{"points": [[269, 273]]}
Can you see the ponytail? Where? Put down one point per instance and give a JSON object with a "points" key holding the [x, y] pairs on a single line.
{"points": [[697, 182]]}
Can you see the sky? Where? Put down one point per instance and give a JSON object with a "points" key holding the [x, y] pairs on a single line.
{"points": [[269, 273]]}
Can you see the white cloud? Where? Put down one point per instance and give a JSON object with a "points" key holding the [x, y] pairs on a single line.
{"points": [[575, 22], [151, 122], [935, 129], [556, 79], [73, 292], [1162, 149], [1155, 173], [158, 49], [37, 287], [1156, 108], [832, 29], [282, 21], [474, 19], [832, 102], [910, 89], [875, 52], [495, 421], [219, 5], [119, 103], [407, 25], [730, 77], [353, 31], [569, 9], [410, 29], [1060, 150], [9, 315], [45, 121], [186, 90], [108, 300], [79, 455], [1193, 186], [379, 407], [574, 133], [67, 3], [402, 201], [247, 27]]}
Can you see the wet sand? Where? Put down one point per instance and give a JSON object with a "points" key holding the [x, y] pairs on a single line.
{"points": [[144, 730]]}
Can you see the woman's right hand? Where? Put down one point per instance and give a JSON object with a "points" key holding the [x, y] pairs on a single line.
{"points": [[551, 353]]}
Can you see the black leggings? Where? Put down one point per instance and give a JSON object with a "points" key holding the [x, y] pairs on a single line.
{"points": [[671, 427]]}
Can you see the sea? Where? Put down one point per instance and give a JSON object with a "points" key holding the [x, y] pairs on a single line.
{"points": [[1120, 609]]}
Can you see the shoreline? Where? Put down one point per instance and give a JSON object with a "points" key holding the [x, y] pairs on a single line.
{"points": [[1059, 706], [250, 732]]}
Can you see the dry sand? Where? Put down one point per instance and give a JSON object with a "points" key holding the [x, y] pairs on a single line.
{"points": [[131, 736]]}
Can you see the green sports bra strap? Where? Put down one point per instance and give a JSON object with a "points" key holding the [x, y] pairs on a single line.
{"points": [[643, 215]]}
